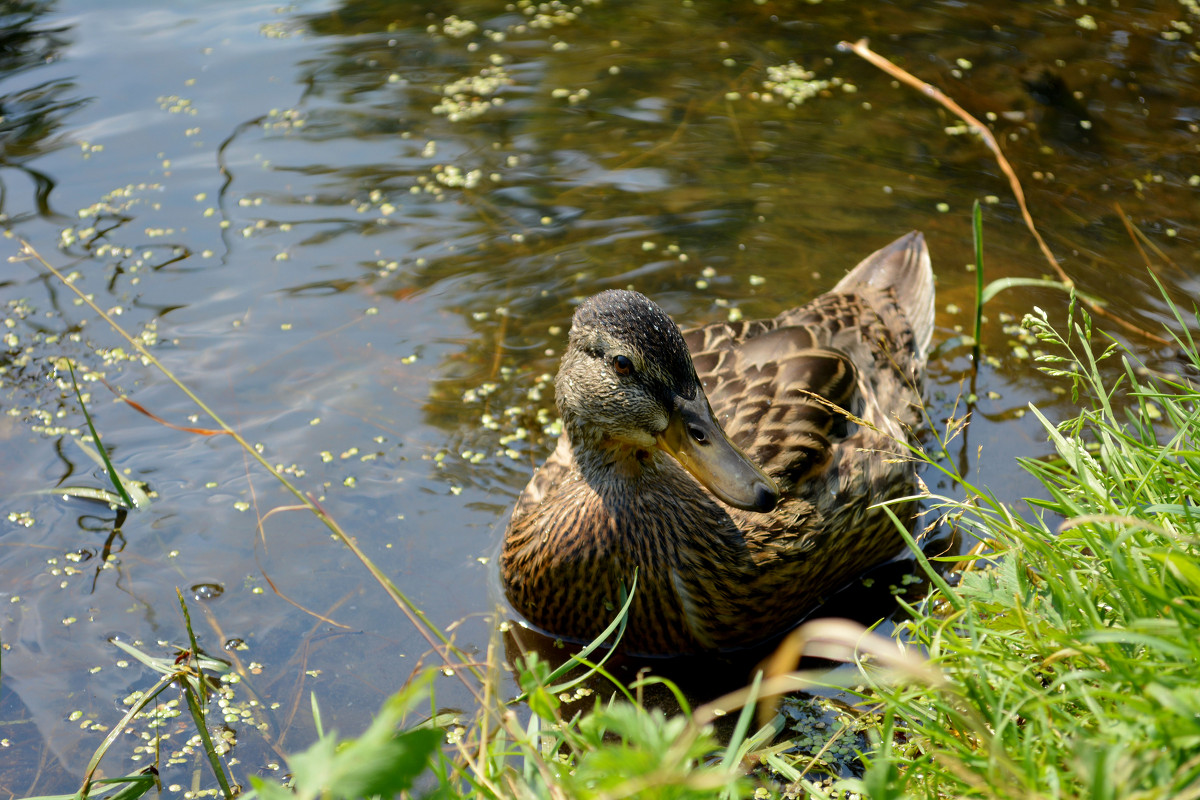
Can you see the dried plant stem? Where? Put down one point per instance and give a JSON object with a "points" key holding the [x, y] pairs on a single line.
{"points": [[861, 49], [1138, 238]]}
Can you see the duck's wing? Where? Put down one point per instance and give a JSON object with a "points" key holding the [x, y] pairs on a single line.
{"points": [[901, 272], [784, 388], [780, 392]]}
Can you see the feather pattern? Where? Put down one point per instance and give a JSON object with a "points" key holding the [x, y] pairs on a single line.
{"points": [[822, 398]]}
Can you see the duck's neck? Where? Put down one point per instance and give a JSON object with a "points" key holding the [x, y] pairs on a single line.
{"points": [[603, 460]]}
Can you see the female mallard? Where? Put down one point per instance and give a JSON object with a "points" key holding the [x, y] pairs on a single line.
{"points": [[722, 465]]}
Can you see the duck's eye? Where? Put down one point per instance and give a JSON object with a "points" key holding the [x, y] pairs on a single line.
{"points": [[623, 365]]}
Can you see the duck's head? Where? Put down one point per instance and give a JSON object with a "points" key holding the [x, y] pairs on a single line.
{"points": [[627, 383]]}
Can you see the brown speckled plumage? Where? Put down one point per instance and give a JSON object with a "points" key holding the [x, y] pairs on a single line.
{"points": [[712, 576]]}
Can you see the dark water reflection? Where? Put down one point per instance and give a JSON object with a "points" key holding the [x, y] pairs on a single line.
{"points": [[374, 285]]}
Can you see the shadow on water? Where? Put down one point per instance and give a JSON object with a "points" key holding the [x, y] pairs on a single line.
{"points": [[361, 230]]}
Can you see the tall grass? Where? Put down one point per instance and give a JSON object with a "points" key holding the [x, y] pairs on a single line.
{"points": [[1071, 650]]}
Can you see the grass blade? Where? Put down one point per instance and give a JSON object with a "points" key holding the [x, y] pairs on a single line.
{"points": [[108, 465], [977, 235], [198, 720]]}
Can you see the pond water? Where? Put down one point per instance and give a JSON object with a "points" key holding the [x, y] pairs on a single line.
{"points": [[358, 231]]}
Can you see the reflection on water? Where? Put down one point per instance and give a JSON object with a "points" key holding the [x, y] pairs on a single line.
{"points": [[360, 229], [32, 107]]}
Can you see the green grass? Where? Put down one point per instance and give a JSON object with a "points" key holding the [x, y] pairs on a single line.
{"points": [[1071, 650], [1058, 661]]}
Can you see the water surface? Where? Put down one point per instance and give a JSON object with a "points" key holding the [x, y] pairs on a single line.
{"points": [[359, 231]]}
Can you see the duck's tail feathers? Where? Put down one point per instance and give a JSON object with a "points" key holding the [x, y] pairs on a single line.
{"points": [[903, 266]]}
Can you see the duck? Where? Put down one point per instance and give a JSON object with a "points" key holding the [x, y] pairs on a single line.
{"points": [[731, 475]]}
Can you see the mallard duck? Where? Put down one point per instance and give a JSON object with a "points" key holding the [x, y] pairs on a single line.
{"points": [[732, 467]]}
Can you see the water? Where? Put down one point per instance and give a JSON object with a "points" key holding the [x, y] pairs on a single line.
{"points": [[374, 285]]}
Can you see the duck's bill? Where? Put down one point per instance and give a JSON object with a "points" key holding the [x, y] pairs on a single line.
{"points": [[699, 443]]}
